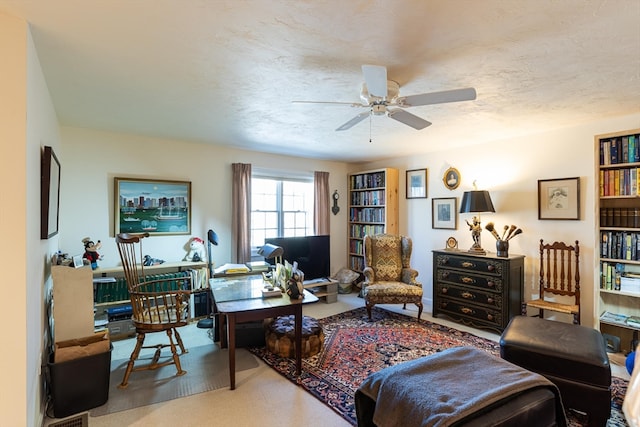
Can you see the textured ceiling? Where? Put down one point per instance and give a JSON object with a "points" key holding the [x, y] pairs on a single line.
{"points": [[225, 72]]}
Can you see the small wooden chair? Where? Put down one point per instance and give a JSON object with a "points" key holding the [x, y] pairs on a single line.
{"points": [[559, 275], [158, 305]]}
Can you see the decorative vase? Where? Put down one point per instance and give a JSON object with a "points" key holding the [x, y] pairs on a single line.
{"points": [[502, 247]]}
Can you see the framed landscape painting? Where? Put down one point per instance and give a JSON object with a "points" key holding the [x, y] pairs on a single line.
{"points": [[150, 205]]}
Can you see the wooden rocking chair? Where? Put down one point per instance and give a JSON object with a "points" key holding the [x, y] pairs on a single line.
{"points": [[158, 305]]}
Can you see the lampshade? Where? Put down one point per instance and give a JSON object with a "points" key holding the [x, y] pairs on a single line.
{"points": [[270, 251], [476, 201], [212, 237]]}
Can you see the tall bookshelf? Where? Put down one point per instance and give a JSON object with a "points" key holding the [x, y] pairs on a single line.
{"points": [[618, 254], [373, 209]]}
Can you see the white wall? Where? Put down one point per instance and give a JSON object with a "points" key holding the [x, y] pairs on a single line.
{"points": [[510, 170], [91, 160], [28, 122]]}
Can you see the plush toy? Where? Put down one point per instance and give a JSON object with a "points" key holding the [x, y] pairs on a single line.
{"points": [[196, 250], [91, 254], [148, 261], [295, 290]]}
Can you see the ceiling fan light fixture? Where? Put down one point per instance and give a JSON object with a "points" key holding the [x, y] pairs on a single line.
{"points": [[378, 109], [393, 90]]}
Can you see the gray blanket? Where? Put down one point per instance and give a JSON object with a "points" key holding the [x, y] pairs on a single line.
{"points": [[447, 387]]}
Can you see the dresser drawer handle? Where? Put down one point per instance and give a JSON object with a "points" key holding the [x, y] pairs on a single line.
{"points": [[491, 284], [490, 300], [491, 267], [444, 290], [467, 280], [467, 264], [468, 295], [489, 317], [467, 310], [445, 274]]}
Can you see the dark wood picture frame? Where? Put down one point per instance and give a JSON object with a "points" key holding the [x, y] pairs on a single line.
{"points": [[155, 206], [49, 193], [416, 184], [559, 199]]}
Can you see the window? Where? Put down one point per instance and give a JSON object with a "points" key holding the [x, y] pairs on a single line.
{"points": [[280, 207]]}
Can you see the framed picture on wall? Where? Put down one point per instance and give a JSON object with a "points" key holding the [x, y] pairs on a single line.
{"points": [[417, 184], [49, 193], [451, 178], [559, 198], [444, 213], [152, 205]]}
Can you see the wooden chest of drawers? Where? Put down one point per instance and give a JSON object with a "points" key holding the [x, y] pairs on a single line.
{"points": [[482, 291]]}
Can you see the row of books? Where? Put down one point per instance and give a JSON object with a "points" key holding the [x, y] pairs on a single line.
{"points": [[620, 217], [620, 319], [619, 182], [367, 180], [356, 247], [368, 198], [362, 230], [356, 263], [621, 245], [117, 290], [615, 278], [366, 214], [620, 150]]}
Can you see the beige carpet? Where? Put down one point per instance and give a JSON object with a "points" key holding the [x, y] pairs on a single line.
{"points": [[207, 369]]}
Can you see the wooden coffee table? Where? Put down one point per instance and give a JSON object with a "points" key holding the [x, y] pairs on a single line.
{"points": [[240, 300]]}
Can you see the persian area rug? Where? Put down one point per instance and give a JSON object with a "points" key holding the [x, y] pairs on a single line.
{"points": [[207, 369], [355, 347]]}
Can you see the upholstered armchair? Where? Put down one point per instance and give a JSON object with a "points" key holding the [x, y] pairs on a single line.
{"points": [[389, 279]]}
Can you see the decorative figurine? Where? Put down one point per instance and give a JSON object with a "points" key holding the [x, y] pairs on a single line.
{"points": [[91, 252]]}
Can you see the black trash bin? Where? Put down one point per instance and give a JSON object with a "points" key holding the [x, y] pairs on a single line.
{"points": [[80, 383]]}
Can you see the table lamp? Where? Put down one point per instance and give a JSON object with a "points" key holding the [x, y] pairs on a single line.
{"points": [[207, 323], [476, 201], [271, 251]]}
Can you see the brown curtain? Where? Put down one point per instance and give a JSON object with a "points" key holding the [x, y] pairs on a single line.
{"points": [[241, 207], [321, 203]]}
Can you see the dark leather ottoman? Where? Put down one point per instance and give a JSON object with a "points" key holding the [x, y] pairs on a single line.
{"points": [[430, 391], [573, 357]]}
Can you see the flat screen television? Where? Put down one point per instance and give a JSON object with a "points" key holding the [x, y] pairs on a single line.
{"points": [[311, 252]]}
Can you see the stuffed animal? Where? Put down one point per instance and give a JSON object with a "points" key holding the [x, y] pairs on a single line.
{"points": [[295, 290], [196, 250], [91, 254], [148, 261]]}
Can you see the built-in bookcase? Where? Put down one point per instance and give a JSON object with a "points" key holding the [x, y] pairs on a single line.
{"points": [[618, 247], [373, 209]]}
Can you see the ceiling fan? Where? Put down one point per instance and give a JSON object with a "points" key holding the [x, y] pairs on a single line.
{"points": [[380, 96]]}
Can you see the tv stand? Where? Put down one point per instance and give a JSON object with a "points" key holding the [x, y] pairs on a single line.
{"points": [[323, 288]]}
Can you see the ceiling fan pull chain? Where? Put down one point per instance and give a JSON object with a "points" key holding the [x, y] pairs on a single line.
{"points": [[370, 119]]}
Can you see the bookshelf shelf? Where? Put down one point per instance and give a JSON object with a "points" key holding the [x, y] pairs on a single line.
{"points": [[618, 246], [373, 209]]}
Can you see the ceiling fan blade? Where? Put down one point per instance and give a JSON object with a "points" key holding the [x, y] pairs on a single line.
{"points": [[375, 76], [357, 119], [455, 95], [350, 104], [408, 118]]}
